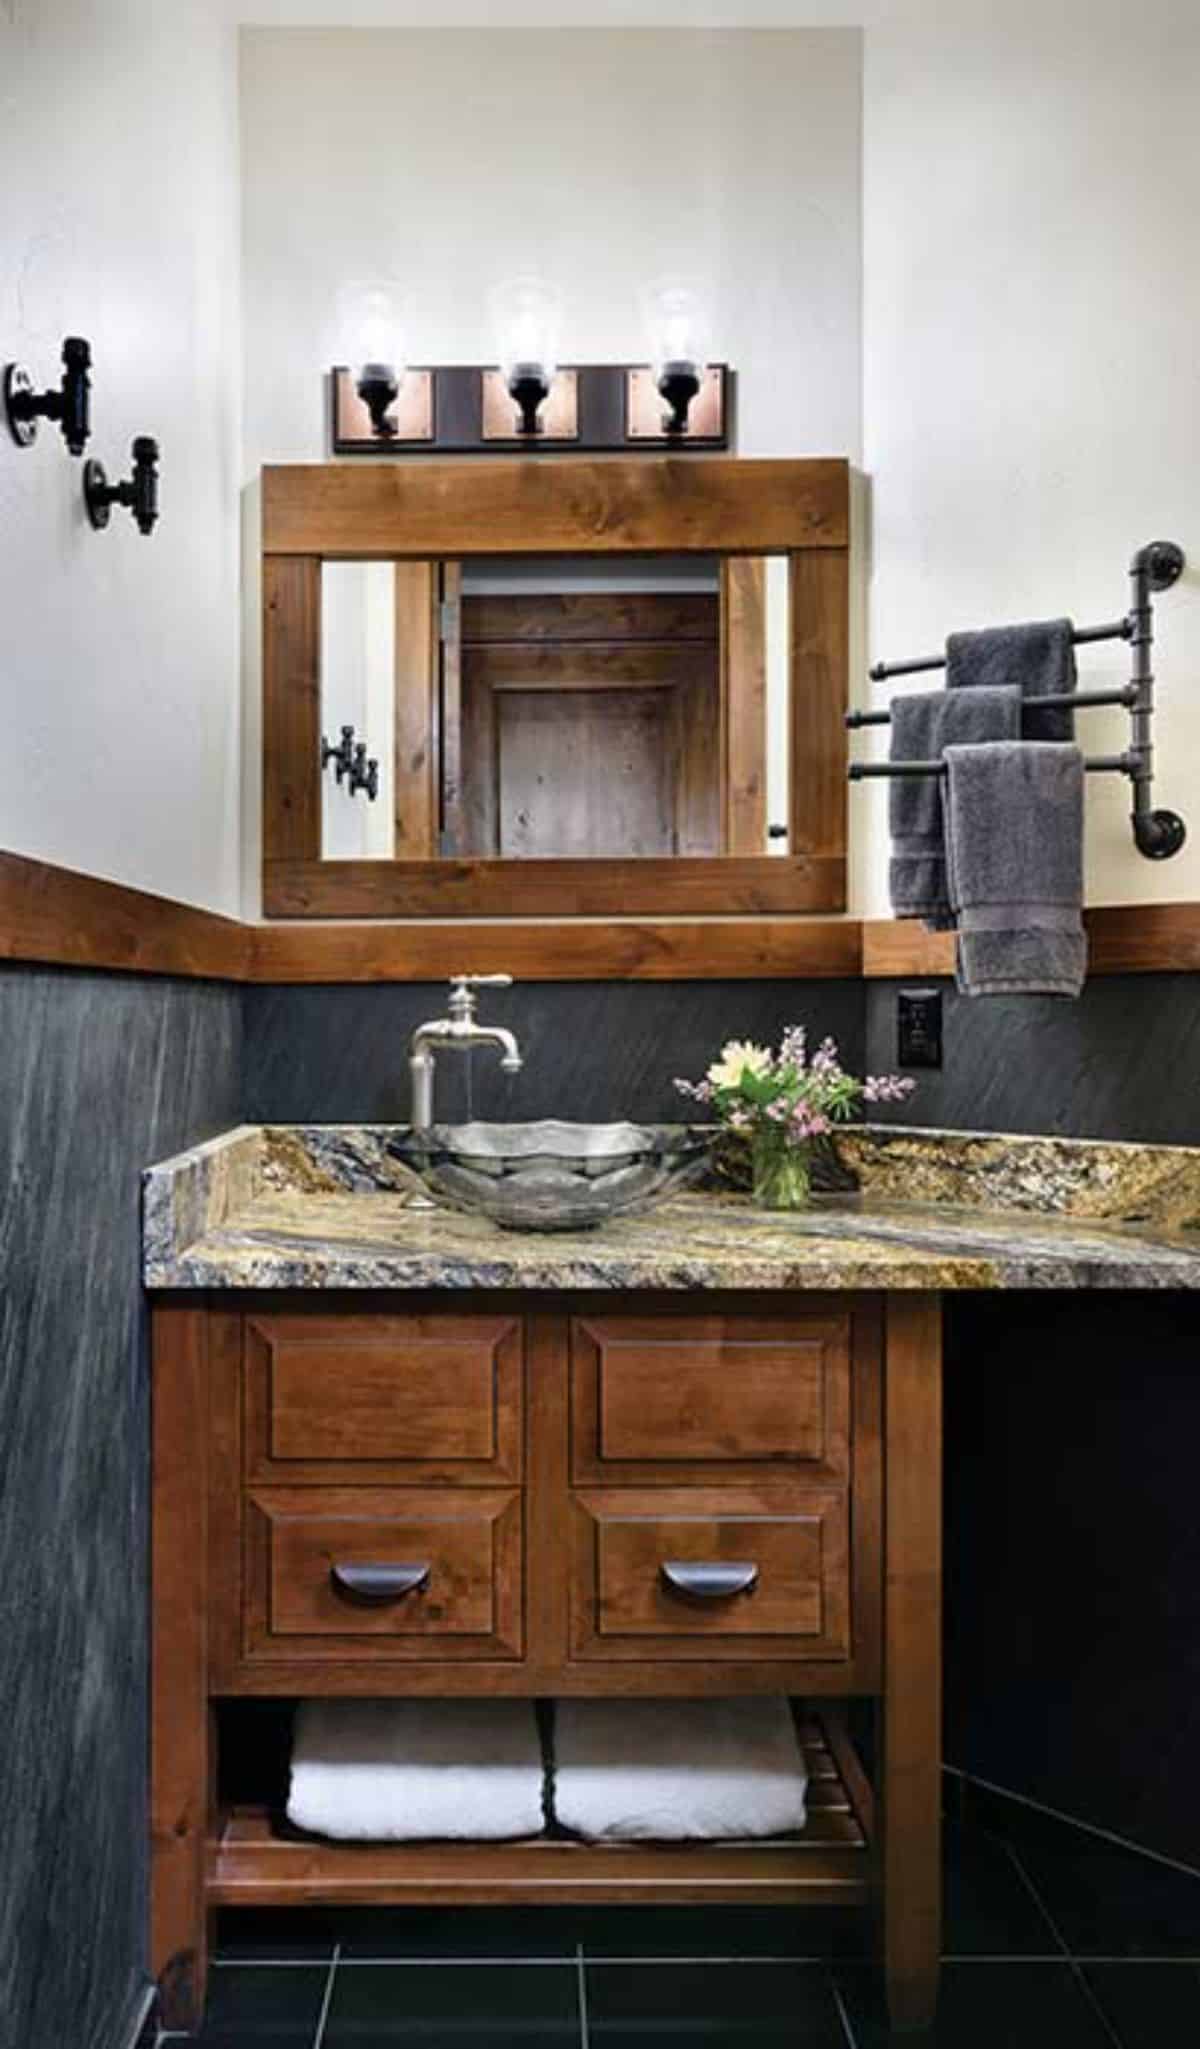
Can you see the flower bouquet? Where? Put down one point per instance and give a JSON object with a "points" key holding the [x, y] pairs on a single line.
{"points": [[778, 1103]]}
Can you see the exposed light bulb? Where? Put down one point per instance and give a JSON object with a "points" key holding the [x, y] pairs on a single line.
{"points": [[677, 330], [526, 315], [371, 332]]}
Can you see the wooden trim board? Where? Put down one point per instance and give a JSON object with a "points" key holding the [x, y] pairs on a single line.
{"points": [[62, 919], [1123, 939], [427, 508], [55, 917], [718, 885]]}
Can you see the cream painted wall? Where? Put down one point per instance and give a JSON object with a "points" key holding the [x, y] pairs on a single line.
{"points": [[452, 159], [119, 655], [1032, 360]]}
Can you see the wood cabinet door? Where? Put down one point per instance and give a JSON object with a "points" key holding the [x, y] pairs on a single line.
{"points": [[375, 1396], [700, 1397]]}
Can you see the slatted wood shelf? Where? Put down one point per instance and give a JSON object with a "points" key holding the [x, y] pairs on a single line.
{"points": [[257, 1861]]}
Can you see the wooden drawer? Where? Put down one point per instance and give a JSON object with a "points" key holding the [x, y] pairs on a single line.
{"points": [[352, 1573], [784, 1592], [675, 1398], [359, 1398]]}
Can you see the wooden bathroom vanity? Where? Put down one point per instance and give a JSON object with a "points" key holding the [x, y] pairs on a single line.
{"points": [[536, 1441]]}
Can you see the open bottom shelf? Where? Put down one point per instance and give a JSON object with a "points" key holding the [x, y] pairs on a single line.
{"points": [[255, 1862]]}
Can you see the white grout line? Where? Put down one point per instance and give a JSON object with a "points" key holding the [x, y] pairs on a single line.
{"points": [[313, 1963], [452, 1962], [1077, 1971], [1087, 1828], [319, 2037], [843, 2016], [585, 2037]]}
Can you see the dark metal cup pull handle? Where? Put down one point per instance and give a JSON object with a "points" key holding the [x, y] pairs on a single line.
{"points": [[379, 1583], [715, 1581]]}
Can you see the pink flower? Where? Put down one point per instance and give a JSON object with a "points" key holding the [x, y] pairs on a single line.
{"points": [[887, 1088]]}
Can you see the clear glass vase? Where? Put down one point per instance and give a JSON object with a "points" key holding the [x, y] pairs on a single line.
{"points": [[782, 1172]]}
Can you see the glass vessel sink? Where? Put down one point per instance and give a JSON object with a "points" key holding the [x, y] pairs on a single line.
{"points": [[553, 1176]]}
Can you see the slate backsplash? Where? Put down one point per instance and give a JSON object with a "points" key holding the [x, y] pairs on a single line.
{"points": [[592, 1050], [1122, 1062], [99, 1075]]}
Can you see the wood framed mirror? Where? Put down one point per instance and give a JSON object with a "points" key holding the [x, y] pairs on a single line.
{"points": [[564, 672]]}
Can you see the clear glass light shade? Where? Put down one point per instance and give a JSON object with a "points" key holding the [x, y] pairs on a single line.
{"points": [[370, 325], [677, 325], [526, 315]]}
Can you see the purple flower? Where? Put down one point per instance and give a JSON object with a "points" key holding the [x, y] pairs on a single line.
{"points": [[699, 1091], [793, 1048], [825, 1059]]}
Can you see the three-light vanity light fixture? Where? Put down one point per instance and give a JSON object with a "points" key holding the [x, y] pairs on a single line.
{"points": [[69, 406], [529, 398]]}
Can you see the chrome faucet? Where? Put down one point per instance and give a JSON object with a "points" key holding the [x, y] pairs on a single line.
{"points": [[461, 1030]]}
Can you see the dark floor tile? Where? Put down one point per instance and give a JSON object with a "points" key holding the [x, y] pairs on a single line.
{"points": [[500, 1932], [502, 2006], [1106, 1901], [714, 1932], [1150, 2005], [983, 2006], [282, 1934], [250, 2006], [725, 2006], [989, 1910]]}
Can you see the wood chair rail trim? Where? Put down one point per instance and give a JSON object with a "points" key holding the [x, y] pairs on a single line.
{"points": [[56, 917]]}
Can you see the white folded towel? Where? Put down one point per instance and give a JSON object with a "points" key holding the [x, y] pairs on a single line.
{"points": [[669, 1769], [409, 1770]]}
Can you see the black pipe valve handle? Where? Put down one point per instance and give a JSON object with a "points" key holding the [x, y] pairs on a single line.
{"points": [[342, 756], [364, 773], [139, 491], [70, 405]]}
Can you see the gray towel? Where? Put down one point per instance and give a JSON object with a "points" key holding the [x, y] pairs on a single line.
{"points": [[1014, 837], [923, 724], [1039, 658]]}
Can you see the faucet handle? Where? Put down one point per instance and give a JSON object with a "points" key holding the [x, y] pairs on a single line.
{"points": [[462, 992]]}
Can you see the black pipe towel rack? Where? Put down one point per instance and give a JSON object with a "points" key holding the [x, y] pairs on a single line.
{"points": [[1157, 834]]}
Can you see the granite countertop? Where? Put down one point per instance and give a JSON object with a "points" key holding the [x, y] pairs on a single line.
{"points": [[327, 1206]]}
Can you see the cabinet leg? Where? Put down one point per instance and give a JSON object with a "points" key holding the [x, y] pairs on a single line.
{"points": [[912, 1716], [180, 1743]]}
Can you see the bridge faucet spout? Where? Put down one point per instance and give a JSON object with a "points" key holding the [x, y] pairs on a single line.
{"points": [[459, 1029]]}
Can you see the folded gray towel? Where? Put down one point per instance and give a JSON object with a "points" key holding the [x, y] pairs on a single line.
{"points": [[1039, 658], [1014, 838], [923, 723]]}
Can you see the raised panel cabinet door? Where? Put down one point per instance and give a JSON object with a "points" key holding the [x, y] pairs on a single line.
{"points": [[682, 1397], [691, 1574], [374, 1573], [371, 1396]]}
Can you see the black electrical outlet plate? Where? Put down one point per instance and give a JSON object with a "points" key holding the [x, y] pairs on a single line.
{"points": [[919, 1027]]}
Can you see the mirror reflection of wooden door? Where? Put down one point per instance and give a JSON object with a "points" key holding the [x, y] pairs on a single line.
{"points": [[603, 722]]}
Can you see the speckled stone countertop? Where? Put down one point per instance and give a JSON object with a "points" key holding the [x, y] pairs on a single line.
{"points": [[327, 1206]]}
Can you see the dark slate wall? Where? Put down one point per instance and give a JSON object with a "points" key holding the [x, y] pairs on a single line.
{"points": [[592, 1050], [1073, 1556], [99, 1075], [1122, 1062]]}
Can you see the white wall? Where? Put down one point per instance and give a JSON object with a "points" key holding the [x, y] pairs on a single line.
{"points": [[118, 654], [1032, 360]]}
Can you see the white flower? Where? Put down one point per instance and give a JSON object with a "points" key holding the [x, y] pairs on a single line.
{"points": [[738, 1057]]}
